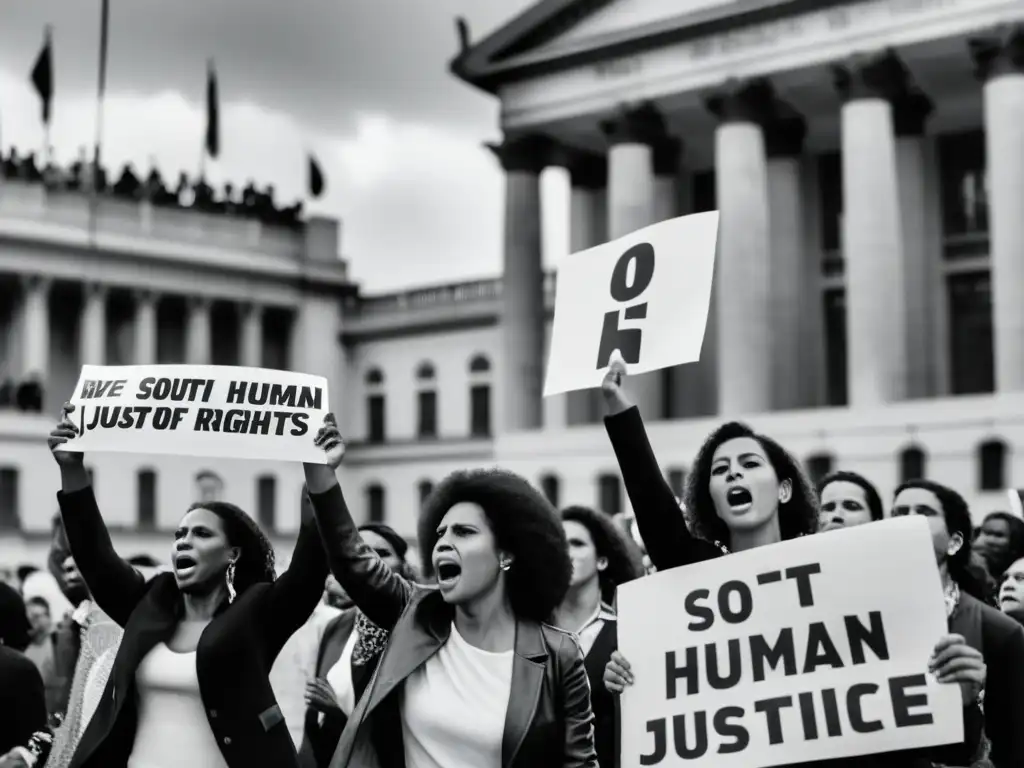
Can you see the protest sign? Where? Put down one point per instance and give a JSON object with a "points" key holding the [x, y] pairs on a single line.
{"points": [[646, 294], [811, 649], [199, 410]]}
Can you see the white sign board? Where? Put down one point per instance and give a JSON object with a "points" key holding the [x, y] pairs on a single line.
{"points": [[811, 649], [646, 294], [200, 410]]}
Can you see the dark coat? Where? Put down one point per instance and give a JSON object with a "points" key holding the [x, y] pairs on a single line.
{"points": [[22, 700], [319, 739], [548, 722], [670, 544], [602, 701], [235, 653]]}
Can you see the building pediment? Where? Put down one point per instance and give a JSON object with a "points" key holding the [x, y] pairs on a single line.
{"points": [[555, 34]]}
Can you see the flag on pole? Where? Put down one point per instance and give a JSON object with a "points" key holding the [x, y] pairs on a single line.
{"points": [[42, 75], [212, 113], [316, 178]]}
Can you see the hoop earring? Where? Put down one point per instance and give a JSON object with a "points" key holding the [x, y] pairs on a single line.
{"points": [[505, 565], [229, 579]]}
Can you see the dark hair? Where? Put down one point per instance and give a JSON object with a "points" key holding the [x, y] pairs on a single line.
{"points": [[14, 626], [625, 562], [1015, 550], [870, 492], [255, 563], [524, 525], [797, 517], [397, 542], [24, 571], [957, 515], [40, 601]]}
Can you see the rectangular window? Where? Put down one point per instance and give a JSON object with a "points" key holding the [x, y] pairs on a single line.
{"points": [[427, 407], [971, 358], [375, 512], [375, 432], [835, 345], [609, 494], [146, 499], [480, 410], [964, 183], [830, 193], [10, 516], [266, 503]]}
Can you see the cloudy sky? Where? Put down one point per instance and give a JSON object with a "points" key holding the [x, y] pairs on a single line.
{"points": [[362, 83]]}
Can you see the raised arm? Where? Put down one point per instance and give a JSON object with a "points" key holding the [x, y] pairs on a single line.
{"points": [[292, 598], [662, 527], [376, 590], [114, 584]]}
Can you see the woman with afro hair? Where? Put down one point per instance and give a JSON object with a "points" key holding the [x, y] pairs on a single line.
{"points": [[471, 674], [602, 558]]}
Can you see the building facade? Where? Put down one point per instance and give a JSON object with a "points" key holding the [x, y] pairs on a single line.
{"points": [[867, 159]]}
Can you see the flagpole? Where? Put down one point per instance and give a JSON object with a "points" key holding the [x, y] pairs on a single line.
{"points": [[101, 88]]}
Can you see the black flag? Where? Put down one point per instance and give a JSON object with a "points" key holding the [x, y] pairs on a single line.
{"points": [[212, 113], [316, 178], [42, 76]]}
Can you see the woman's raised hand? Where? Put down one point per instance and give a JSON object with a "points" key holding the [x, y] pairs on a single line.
{"points": [[954, 661], [64, 431], [611, 388], [329, 438], [617, 673]]}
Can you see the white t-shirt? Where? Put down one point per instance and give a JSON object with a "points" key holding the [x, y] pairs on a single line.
{"points": [[454, 706], [339, 677]]}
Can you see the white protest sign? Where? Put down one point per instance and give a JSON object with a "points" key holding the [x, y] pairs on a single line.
{"points": [[200, 410], [646, 294], [811, 649]]}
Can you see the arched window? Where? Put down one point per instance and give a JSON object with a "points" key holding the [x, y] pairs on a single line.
{"points": [[375, 512], [676, 480], [912, 464], [549, 486], [818, 465], [376, 413], [266, 502], [609, 494], [10, 516], [209, 486], [426, 401], [480, 396], [992, 465], [145, 493], [424, 488]]}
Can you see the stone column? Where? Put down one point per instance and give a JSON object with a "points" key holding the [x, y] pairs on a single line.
{"points": [[668, 179], [36, 326], [920, 260], [92, 340], [872, 232], [197, 334], [1000, 63], [251, 316], [742, 273], [588, 227], [522, 289], [631, 135], [145, 328], [793, 289]]}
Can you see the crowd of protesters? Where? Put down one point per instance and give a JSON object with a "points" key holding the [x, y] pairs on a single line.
{"points": [[83, 176], [503, 652]]}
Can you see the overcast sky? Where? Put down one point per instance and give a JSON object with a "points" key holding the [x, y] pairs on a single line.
{"points": [[362, 83]]}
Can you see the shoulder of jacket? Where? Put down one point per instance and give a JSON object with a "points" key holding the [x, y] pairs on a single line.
{"points": [[561, 638]]}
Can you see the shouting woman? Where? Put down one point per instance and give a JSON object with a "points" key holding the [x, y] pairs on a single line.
{"points": [[471, 676], [746, 491], [190, 682]]}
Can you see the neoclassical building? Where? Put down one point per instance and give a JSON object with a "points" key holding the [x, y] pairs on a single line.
{"points": [[868, 162]]}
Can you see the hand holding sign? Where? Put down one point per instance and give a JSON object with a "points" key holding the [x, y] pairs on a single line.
{"points": [[954, 661], [64, 431], [611, 387]]}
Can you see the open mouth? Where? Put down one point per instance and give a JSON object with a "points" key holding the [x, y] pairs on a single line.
{"points": [[739, 498], [447, 573], [184, 563]]}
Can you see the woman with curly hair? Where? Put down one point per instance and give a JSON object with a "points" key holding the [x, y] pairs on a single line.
{"points": [[848, 499], [602, 559], [190, 681], [471, 675]]}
